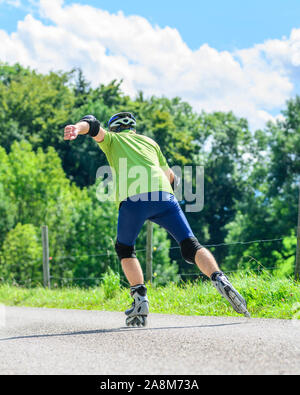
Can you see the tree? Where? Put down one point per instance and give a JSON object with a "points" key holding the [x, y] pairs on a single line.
{"points": [[269, 208], [251, 180], [226, 141], [81, 88], [21, 256], [284, 260], [7, 204], [34, 107], [7, 214]]}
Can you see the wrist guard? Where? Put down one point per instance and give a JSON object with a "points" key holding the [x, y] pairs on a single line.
{"points": [[94, 124]]}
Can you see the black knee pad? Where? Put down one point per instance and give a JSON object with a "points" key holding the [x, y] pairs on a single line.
{"points": [[124, 251], [189, 247]]}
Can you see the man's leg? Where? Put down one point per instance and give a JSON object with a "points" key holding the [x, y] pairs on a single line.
{"points": [[175, 222], [206, 262], [133, 271], [137, 314], [130, 222], [208, 265]]}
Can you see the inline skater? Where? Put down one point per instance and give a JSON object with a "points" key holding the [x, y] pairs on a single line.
{"points": [[155, 201]]}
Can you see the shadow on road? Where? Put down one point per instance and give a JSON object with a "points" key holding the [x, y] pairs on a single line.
{"points": [[116, 330]]}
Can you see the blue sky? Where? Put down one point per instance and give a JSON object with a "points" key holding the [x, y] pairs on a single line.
{"points": [[218, 55], [225, 25]]}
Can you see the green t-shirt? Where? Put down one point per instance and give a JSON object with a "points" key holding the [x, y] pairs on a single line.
{"points": [[137, 164]]}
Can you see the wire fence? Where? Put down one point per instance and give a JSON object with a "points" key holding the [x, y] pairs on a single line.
{"points": [[62, 275], [171, 248], [182, 276]]}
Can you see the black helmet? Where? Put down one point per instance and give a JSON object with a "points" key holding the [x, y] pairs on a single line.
{"points": [[121, 121]]}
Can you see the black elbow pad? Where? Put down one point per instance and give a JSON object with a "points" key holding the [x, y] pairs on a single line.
{"points": [[94, 124]]}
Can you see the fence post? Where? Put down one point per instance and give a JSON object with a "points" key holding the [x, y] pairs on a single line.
{"points": [[46, 269], [297, 267], [149, 249]]}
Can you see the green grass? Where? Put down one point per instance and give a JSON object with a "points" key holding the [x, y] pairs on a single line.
{"points": [[267, 297]]}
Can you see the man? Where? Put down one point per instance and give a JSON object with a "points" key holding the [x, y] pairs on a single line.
{"points": [[155, 201]]}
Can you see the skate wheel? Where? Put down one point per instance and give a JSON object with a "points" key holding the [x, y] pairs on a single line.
{"points": [[142, 321], [129, 321], [145, 321], [138, 321]]}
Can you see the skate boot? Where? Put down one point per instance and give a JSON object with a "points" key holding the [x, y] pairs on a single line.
{"points": [[137, 314], [221, 282]]}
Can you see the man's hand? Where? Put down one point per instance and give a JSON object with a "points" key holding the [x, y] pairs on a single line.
{"points": [[71, 132]]}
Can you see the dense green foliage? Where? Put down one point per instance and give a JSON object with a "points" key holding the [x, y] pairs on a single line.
{"points": [[251, 180]]}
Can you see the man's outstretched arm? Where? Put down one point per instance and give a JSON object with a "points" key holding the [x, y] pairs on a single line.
{"points": [[87, 125]]}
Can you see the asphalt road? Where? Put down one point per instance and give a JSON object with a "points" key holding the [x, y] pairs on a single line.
{"points": [[50, 341]]}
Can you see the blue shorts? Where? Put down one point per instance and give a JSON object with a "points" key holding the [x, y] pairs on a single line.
{"points": [[163, 209]]}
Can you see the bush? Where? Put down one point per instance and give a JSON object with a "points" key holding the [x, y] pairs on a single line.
{"points": [[21, 256], [111, 283], [285, 259], [7, 213]]}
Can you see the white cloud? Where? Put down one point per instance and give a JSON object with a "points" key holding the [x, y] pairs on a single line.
{"points": [[253, 82]]}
